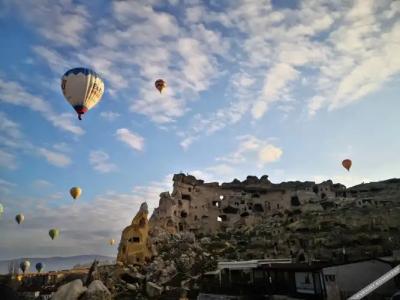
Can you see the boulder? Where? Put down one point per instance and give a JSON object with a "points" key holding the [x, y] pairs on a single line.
{"points": [[153, 290], [132, 287], [97, 291], [70, 291]]}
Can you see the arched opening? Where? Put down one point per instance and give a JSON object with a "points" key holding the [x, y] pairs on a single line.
{"points": [[315, 189], [295, 201]]}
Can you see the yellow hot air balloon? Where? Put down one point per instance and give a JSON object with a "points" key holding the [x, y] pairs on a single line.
{"points": [[82, 88], [75, 192], [160, 85], [111, 242], [347, 164], [53, 233]]}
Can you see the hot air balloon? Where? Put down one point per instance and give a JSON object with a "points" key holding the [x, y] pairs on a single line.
{"points": [[111, 242], [19, 218], [75, 192], [221, 197], [82, 88], [160, 85], [347, 164], [1, 209], [53, 233], [39, 267], [24, 266]]}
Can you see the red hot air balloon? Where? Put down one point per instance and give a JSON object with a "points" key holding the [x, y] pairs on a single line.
{"points": [[347, 164]]}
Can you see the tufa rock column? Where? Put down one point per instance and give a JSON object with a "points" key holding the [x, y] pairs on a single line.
{"points": [[134, 247]]}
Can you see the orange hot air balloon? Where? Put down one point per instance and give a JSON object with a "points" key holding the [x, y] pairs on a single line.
{"points": [[160, 85], [347, 164]]}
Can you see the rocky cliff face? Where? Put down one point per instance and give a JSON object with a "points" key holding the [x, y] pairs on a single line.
{"points": [[258, 219]]}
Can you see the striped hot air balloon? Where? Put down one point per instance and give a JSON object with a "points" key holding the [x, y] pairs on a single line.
{"points": [[82, 88]]}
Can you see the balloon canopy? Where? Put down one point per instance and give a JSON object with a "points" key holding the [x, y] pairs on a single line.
{"points": [[111, 242], [347, 164], [39, 267], [24, 266], [75, 192], [83, 89], [53, 233], [19, 218], [160, 85], [1, 209]]}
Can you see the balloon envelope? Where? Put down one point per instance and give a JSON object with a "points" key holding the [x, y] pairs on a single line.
{"points": [[39, 267], [160, 85], [75, 192], [111, 242], [1, 209], [19, 218], [53, 233], [83, 89], [347, 164], [25, 265]]}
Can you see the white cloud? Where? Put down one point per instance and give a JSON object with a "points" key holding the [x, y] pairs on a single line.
{"points": [[132, 139], [277, 78], [100, 161], [61, 22], [56, 61], [66, 121], [109, 115], [269, 153], [252, 149], [41, 183], [9, 127], [8, 160], [12, 92], [345, 49], [55, 158], [6, 186], [62, 147]]}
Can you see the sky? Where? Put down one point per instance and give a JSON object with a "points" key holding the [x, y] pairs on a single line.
{"points": [[283, 88]]}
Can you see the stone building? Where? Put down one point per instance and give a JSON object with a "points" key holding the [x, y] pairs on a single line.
{"points": [[134, 247]]}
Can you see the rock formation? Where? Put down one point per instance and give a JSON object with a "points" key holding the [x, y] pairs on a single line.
{"points": [[258, 218], [134, 247]]}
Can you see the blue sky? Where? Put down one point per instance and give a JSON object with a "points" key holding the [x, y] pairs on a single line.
{"points": [[283, 88]]}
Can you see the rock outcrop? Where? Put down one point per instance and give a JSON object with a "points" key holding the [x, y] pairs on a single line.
{"points": [[97, 291], [134, 247], [261, 219], [70, 291]]}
